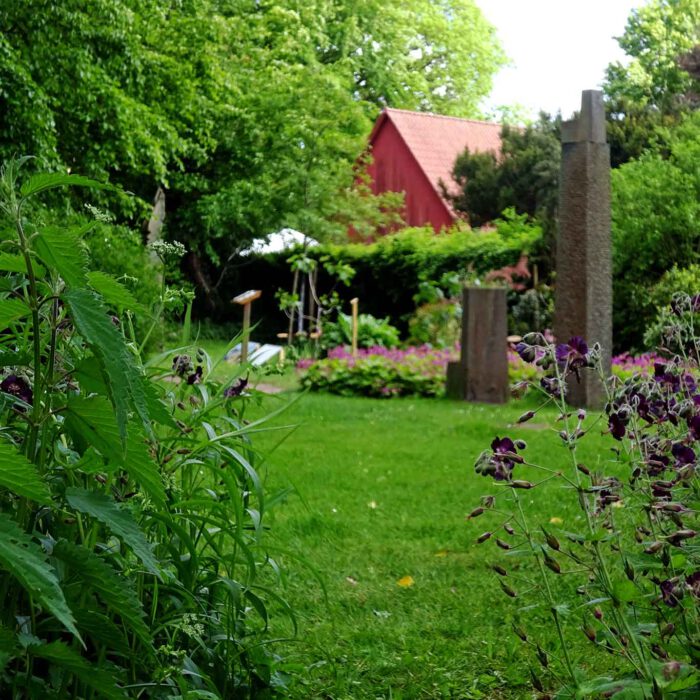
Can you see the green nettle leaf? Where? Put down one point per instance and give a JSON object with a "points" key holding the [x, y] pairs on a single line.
{"points": [[19, 475], [102, 630], [113, 292], [94, 677], [12, 310], [93, 420], [26, 561], [114, 590], [126, 381], [48, 181], [63, 251], [119, 520], [157, 409], [10, 262]]}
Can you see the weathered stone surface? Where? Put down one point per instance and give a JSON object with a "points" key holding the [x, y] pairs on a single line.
{"points": [[482, 372], [583, 297]]}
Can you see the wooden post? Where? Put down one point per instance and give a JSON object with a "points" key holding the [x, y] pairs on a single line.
{"points": [[354, 303], [245, 300]]}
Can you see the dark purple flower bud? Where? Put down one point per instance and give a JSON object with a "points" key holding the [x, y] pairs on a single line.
{"points": [[583, 469], [551, 386], [182, 365], [508, 529], [589, 632], [484, 537], [196, 376], [500, 570], [680, 536], [542, 656], [527, 352], [693, 583], [597, 613], [520, 632], [475, 513], [508, 590], [670, 592], [18, 387], [502, 544], [671, 669], [236, 389], [528, 416], [519, 484]]}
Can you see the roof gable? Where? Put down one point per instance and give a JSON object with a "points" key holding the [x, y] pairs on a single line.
{"points": [[435, 141]]}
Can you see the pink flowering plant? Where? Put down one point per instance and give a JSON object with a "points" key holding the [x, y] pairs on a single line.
{"points": [[379, 372], [627, 581]]}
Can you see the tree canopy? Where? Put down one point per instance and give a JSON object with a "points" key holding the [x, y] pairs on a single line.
{"points": [[654, 88], [250, 114]]}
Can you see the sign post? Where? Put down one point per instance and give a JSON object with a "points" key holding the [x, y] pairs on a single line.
{"points": [[354, 302], [245, 300]]}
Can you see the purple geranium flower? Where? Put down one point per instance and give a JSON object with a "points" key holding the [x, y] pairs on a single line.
{"points": [[683, 454], [16, 386], [617, 424], [236, 389], [574, 352]]}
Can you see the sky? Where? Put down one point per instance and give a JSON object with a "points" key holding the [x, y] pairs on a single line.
{"points": [[558, 48]]}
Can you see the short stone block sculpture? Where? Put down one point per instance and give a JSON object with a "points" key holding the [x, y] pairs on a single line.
{"points": [[481, 374]]}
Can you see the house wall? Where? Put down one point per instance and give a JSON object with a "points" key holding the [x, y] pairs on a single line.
{"points": [[394, 169]]}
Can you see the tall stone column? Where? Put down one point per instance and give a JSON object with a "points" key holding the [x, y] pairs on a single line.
{"points": [[583, 296]]}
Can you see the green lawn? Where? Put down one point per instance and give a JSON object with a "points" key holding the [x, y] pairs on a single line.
{"points": [[383, 488]]}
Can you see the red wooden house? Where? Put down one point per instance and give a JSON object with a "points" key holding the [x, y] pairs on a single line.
{"points": [[414, 152]]}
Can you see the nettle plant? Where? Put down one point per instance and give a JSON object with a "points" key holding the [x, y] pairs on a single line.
{"points": [[131, 512], [628, 582]]}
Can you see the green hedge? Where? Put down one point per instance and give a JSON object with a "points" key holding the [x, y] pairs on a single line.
{"points": [[388, 271]]}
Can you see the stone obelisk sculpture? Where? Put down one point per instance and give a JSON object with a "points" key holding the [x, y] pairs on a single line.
{"points": [[583, 297]]}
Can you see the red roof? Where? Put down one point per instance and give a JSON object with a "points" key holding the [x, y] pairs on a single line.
{"points": [[435, 141]]}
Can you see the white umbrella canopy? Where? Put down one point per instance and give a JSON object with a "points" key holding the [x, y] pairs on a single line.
{"points": [[279, 241]]}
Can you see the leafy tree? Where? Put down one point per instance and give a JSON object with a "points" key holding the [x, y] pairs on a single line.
{"points": [[525, 177], [430, 55], [249, 114], [653, 89], [656, 224]]}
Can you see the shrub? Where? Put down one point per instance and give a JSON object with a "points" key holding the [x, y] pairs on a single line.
{"points": [[371, 332], [131, 512], [627, 578], [378, 372], [390, 271], [438, 323]]}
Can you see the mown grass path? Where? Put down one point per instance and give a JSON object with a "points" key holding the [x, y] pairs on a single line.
{"points": [[383, 491]]}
